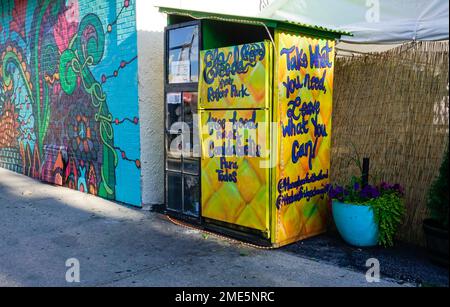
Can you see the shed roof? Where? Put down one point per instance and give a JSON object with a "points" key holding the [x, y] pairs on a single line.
{"points": [[267, 22]]}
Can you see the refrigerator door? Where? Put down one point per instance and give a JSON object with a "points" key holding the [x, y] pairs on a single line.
{"points": [[236, 77], [303, 96], [235, 181]]}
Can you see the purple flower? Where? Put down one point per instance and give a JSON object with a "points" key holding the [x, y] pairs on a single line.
{"points": [[398, 188], [337, 192], [369, 192], [384, 186], [389, 188], [354, 192]]}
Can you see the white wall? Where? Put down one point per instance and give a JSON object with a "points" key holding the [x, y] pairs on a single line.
{"points": [[150, 26]]}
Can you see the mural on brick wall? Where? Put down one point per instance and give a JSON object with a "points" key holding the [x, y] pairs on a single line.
{"points": [[68, 94]]}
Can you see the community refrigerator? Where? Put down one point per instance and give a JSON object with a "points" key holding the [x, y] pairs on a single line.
{"points": [[234, 93], [265, 130]]}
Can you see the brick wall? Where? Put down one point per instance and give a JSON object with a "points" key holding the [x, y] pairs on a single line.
{"points": [[68, 94]]}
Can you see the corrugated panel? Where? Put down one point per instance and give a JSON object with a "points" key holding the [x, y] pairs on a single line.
{"points": [[271, 23]]}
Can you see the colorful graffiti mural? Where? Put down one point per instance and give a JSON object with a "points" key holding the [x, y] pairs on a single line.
{"points": [[68, 94]]}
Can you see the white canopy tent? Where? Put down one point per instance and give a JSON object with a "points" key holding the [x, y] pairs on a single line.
{"points": [[371, 21], [377, 25]]}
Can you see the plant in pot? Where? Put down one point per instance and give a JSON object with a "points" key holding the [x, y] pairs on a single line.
{"points": [[436, 227], [367, 215]]}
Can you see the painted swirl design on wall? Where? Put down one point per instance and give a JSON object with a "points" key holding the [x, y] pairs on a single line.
{"points": [[56, 122]]}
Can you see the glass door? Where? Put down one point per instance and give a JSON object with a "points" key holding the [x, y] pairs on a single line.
{"points": [[182, 165]]}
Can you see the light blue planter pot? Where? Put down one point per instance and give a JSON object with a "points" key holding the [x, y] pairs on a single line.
{"points": [[356, 224]]}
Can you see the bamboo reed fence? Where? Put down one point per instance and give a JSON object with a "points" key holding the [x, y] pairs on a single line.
{"points": [[393, 108]]}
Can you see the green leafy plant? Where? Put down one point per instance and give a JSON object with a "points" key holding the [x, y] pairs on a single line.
{"points": [[389, 210], [438, 195]]}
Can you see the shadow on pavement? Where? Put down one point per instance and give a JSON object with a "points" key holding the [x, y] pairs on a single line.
{"points": [[404, 262]]}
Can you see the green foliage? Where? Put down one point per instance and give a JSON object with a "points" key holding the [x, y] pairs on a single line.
{"points": [[438, 195], [389, 210]]}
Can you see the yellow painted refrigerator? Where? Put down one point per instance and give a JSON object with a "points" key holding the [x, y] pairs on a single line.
{"points": [[265, 131]]}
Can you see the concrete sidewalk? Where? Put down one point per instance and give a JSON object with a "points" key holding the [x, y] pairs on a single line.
{"points": [[42, 226]]}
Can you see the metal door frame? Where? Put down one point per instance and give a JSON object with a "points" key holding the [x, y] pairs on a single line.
{"points": [[180, 88]]}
